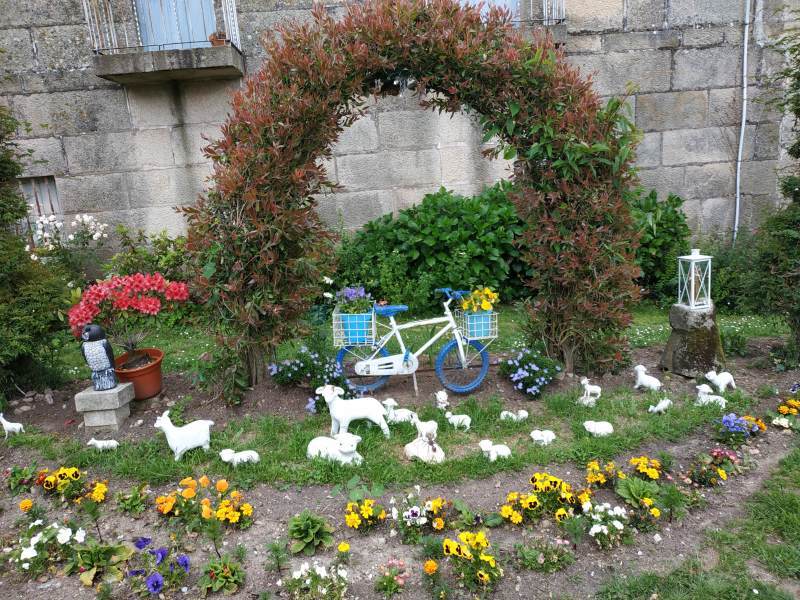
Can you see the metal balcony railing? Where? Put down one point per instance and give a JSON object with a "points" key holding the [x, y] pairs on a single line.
{"points": [[118, 26], [542, 12]]}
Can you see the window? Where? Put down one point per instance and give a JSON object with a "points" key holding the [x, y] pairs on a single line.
{"points": [[175, 24], [42, 197], [511, 5]]}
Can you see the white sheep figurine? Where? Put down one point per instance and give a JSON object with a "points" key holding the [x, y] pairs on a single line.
{"points": [[591, 393], [661, 407], [598, 428], [721, 381], [705, 396], [343, 412], [543, 437], [9, 427], [397, 415], [235, 459], [426, 429], [341, 448], [103, 444], [494, 451], [196, 434], [644, 381], [441, 400], [425, 447], [515, 417], [459, 421]]}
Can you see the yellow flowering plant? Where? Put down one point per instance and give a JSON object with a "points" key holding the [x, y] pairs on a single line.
{"points": [[472, 559], [67, 483], [201, 504], [416, 518], [602, 476], [787, 413], [481, 299], [363, 516], [646, 468]]}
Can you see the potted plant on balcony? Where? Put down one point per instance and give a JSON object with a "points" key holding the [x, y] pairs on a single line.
{"points": [[218, 38], [124, 305]]}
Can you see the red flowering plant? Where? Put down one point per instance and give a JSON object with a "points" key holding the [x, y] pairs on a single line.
{"points": [[123, 304]]}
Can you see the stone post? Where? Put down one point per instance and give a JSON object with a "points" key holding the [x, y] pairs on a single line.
{"points": [[694, 346], [104, 410]]}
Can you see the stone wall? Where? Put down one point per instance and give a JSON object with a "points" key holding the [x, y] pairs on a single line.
{"points": [[132, 153]]}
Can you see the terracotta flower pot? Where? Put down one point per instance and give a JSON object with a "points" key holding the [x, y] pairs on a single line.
{"points": [[146, 380]]}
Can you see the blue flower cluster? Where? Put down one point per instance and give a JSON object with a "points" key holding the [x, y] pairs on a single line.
{"points": [[313, 369], [732, 424], [159, 571], [530, 371]]}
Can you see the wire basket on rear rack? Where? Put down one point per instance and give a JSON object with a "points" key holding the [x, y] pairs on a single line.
{"points": [[353, 329], [477, 325]]}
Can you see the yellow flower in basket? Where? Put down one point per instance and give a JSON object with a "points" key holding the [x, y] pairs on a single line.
{"points": [[480, 299]]}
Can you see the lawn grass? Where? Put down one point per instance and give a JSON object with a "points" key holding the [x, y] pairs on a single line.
{"points": [[282, 443], [769, 534]]}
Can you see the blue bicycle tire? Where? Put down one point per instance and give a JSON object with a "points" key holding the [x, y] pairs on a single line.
{"points": [[452, 346]]}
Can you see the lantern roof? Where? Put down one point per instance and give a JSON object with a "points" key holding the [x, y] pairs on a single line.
{"points": [[695, 255]]}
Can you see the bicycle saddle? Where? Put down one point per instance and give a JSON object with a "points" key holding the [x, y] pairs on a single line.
{"points": [[390, 310]]}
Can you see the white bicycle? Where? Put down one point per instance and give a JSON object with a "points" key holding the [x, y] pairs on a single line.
{"points": [[461, 364]]}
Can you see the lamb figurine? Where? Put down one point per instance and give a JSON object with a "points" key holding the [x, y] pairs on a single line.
{"points": [[644, 381], [516, 417], [721, 381], [103, 444], [425, 447], [341, 448], [343, 412], [590, 393], [426, 429], [237, 458], [397, 415], [543, 437], [441, 400], [457, 421], [661, 407], [196, 434], [10, 427], [705, 396], [494, 451], [599, 428]]}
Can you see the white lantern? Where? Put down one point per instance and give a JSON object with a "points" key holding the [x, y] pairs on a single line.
{"points": [[694, 280]]}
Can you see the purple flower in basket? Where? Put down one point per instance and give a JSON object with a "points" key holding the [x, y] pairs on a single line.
{"points": [[354, 300]]}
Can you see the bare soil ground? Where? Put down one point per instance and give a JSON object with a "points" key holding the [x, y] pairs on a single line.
{"points": [[275, 506]]}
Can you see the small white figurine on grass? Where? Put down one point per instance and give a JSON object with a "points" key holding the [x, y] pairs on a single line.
{"points": [[235, 459], [343, 412], [10, 427], [103, 444], [458, 421], [705, 396], [661, 407], [397, 415], [543, 437], [494, 451], [644, 381], [196, 434], [441, 400], [341, 448], [516, 417], [721, 381], [598, 428], [591, 393], [425, 448]]}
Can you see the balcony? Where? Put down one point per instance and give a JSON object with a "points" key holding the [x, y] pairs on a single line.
{"points": [[545, 14], [146, 41]]}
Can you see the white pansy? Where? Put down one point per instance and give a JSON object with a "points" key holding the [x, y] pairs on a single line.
{"points": [[320, 570], [27, 247], [64, 535], [29, 552], [617, 524], [327, 280], [36, 539], [26, 566], [80, 535], [327, 295]]}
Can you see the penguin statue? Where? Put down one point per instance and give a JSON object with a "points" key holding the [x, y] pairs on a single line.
{"points": [[99, 356]]}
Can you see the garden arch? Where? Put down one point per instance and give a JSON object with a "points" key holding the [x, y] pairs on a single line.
{"points": [[260, 245]]}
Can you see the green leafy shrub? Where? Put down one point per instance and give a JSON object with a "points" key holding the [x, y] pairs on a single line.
{"points": [[730, 272], [545, 557], [734, 342], [447, 240], [222, 574], [309, 532], [154, 253], [31, 294], [663, 236]]}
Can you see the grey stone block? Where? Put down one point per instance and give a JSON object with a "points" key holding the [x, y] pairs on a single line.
{"points": [[71, 113], [724, 106], [694, 346], [119, 151], [18, 50], [189, 142], [206, 101], [584, 43], [644, 40], [709, 144], [63, 47], [717, 215], [703, 68], [388, 169], [598, 15], [703, 37], [151, 219], [40, 12], [154, 105], [408, 129], [648, 153], [360, 137], [166, 187], [47, 158], [648, 70], [110, 420], [62, 81], [93, 193], [701, 12], [466, 164], [646, 14], [353, 210], [664, 179], [710, 181], [760, 178], [455, 128], [671, 110], [91, 400], [766, 144]]}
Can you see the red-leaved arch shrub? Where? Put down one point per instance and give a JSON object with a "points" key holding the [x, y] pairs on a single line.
{"points": [[258, 240]]}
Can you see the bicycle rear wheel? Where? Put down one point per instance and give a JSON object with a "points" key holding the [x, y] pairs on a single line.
{"points": [[347, 358], [462, 378]]}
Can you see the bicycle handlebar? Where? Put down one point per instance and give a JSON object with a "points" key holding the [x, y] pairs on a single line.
{"points": [[450, 293]]}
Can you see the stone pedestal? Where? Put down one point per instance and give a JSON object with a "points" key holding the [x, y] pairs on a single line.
{"points": [[105, 410], [694, 346]]}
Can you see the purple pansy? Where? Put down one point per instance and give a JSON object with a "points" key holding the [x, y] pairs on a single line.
{"points": [[142, 542], [160, 554], [155, 583]]}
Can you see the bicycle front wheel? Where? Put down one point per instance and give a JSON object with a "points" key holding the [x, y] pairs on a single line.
{"points": [[462, 378], [348, 356]]}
